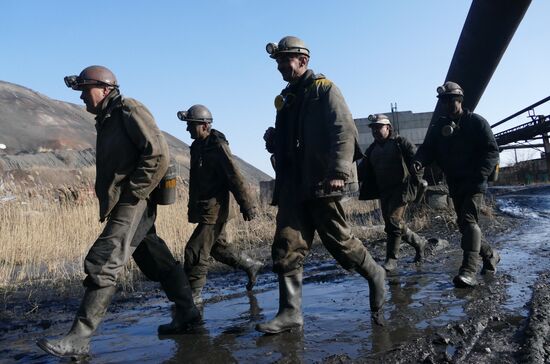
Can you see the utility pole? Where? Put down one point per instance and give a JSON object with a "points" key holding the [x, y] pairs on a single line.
{"points": [[395, 116]]}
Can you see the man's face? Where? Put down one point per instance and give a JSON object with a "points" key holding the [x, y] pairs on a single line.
{"points": [[452, 106], [93, 97], [197, 130], [380, 132], [291, 65]]}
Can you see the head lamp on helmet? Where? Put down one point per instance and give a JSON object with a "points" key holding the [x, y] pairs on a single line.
{"points": [[196, 114], [378, 119], [93, 75], [288, 44], [449, 89]]}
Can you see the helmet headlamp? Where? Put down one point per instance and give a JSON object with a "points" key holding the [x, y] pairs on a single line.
{"points": [[182, 115], [271, 48], [76, 82]]}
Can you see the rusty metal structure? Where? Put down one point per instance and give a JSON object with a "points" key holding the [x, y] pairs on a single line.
{"points": [[488, 29], [536, 129]]}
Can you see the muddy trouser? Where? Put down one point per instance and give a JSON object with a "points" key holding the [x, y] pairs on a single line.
{"points": [[206, 239], [393, 209], [129, 231], [295, 228], [467, 211]]}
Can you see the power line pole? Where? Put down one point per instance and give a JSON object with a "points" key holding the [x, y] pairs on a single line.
{"points": [[395, 116]]}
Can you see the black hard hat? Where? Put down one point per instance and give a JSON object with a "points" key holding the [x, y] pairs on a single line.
{"points": [[449, 88]]}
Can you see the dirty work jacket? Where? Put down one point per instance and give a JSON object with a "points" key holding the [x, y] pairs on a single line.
{"points": [[315, 138], [408, 185], [131, 153], [213, 174], [467, 157]]}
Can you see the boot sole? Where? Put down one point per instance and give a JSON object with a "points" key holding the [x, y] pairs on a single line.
{"points": [[460, 283], [48, 349], [185, 328], [274, 332]]}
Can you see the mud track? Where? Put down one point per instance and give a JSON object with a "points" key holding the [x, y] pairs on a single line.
{"points": [[427, 319]]}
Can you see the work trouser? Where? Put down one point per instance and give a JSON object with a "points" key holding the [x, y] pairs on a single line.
{"points": [[296, 224], [393, 209], [129, 231], [467, 205], [206, 239], [467, 211]]}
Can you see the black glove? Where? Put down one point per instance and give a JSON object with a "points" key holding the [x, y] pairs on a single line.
{"points": [[269, 138], [249, 214]]}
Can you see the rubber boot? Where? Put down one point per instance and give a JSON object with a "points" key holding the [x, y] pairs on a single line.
{"points": [[376, 276], [490, 258], [176, 286], [76, 344], [417, 242], [392, 253], [251, 267], [197, 297], [466, 277], [227, 255], [289, 315]]}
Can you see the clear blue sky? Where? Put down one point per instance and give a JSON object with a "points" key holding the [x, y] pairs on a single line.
{"points": [[173, 54]]}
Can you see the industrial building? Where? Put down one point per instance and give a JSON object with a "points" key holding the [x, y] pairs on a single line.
{"points": [[412, 126]]}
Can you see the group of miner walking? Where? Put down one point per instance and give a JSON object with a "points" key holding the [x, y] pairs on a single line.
{"points": [[317, 161]]}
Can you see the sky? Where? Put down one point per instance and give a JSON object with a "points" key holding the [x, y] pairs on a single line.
{"points": [[171, 55]]}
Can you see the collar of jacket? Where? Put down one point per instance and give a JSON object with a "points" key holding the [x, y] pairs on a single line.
{"points": [[213, 140], [466, 114], [307, 78], [113, 100], [392, 136]]}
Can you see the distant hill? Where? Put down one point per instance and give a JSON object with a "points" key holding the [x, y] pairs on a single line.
{"points": [[53, 139]]}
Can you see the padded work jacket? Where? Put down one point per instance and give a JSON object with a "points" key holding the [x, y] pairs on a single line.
{"points": [[131, 153]]}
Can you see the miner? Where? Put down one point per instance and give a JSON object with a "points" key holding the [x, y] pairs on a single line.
{"points": [[314, 144], [386, 173], [213, 176], [131, 159], [464, 147]]}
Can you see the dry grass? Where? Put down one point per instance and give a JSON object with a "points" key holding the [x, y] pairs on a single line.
{"points": [[44, 242]]}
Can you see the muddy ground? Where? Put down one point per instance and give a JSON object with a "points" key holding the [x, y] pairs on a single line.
{"points": [[506, 319]]}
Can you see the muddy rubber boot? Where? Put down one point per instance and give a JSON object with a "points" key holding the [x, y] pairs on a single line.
{"points": [[390, 265], [76, 344], [417, 242], [490, 258], [197, 297], [392, 253], [376, 276], [466, 277], [227, 255], [176, 286], [251, 267], [289, 315]]}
